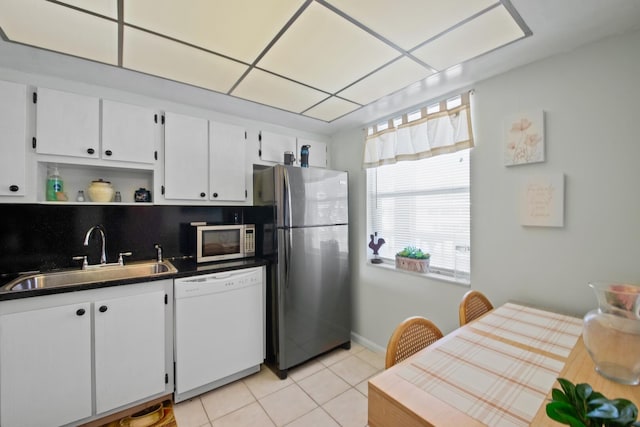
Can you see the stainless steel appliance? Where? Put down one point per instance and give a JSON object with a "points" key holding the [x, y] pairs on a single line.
{"points": [[308, 292], [219, 329], [221, 242]]}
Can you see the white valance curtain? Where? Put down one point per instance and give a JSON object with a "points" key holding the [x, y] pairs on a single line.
{"points": [[443, 129]]}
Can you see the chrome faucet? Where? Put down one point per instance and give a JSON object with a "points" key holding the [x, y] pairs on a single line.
{"points": [[103, 255]]}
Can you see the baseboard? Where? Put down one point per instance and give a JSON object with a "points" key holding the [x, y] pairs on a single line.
{"points": [[367, 343]]}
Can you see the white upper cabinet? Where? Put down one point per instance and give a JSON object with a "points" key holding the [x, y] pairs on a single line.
{"points": [[227, 166], [67, 124], [273, 146], [204, 161], [317, 152], [129, 132], [13, 122], [186, 157]]}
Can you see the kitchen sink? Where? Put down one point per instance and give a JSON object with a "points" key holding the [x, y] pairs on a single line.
{"points": [[92, 274]]}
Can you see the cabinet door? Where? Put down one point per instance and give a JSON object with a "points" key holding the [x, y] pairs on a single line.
{"points": [[129, 349], [186, 157], [273, 146], [45, 366], [317, 152], [13, 119], [227, 162], [129, 132], [67, 124]]}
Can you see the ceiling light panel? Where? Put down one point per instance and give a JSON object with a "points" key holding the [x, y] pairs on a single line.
{"points": [[488, 31], [324, 50], [102, 7], [331, 109], [265, 88], [407, 23], [165, 58], [240, 29], [59, 28], [393, 77]]}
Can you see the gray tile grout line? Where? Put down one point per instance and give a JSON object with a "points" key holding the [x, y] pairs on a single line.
{"points": [[325, 366]]}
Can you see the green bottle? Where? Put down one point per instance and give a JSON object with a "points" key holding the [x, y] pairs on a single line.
{"points": [[54, 184]]}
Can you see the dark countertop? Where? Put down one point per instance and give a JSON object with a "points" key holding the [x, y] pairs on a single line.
{"points": [[186, 267]]}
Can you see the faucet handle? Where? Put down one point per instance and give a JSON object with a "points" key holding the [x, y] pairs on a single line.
{"points": [[123, 254], [82, 258]]}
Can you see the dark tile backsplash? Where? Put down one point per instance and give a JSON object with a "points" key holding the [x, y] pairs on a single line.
{"points": [[46, 237]]}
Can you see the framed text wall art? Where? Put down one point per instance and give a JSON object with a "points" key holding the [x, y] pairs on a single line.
{"points": [[542, 200]]}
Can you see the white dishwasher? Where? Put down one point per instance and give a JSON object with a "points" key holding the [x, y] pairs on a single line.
{"points": [[219, 329]]}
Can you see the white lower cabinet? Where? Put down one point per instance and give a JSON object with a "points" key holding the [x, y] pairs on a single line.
{"points": [[129, 349], [45, 366], [47, 353]]}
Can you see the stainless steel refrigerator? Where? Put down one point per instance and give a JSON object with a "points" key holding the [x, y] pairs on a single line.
{"points": [[306, 238]]}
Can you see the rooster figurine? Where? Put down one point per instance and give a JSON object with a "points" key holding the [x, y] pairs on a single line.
{"points": [[375, 244]]}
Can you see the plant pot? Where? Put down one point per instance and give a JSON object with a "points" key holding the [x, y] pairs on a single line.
{"points": [[612, 332], [412, 264]]}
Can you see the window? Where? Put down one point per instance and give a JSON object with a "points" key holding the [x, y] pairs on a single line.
{"points": [[424, 203], [418, 184]]}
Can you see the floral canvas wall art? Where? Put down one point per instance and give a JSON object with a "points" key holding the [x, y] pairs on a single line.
{"points": [[524, 138]]}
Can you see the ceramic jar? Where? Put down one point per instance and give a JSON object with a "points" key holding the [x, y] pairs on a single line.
{"points": [[612, 332], [100, 191]]}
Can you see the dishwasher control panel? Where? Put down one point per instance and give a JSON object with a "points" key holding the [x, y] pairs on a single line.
{"points": [[217, 282]]}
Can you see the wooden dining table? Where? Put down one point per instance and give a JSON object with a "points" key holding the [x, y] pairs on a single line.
{"points": [[496, 371]]}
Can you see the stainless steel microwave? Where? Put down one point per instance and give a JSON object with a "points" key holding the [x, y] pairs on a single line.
{"points": [[221, 242]]}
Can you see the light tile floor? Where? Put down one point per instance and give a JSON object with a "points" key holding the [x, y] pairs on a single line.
{"points": [[328, 391]]}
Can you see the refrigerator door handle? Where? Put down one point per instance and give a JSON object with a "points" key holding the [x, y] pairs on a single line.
{"points": [[287, 257], [287, 220]]}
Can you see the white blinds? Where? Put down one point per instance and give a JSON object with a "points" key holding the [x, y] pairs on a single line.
{"points": [[429, 132], [424, 203]]}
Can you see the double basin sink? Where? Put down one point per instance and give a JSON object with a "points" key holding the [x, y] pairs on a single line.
{"points": [[91, 274]]}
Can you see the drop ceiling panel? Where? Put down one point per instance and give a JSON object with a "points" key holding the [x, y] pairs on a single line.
{"points": [[268, 89], [165, 58], [393, 77], [324, 50], [490, 30], [311, 49], [331, 109], [102, 7], [59, 28], [407, 23], [240, 29]]}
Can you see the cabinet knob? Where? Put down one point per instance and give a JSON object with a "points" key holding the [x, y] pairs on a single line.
{"points": [[80, 312], [14, 188], [215, 194], [108, 152], [103, 308], [90, 150], [202, 194]]}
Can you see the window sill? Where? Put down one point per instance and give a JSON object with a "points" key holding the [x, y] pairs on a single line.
{"points": [[430, 275]]}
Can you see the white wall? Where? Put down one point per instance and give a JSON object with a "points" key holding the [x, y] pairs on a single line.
{"points": [[590, 98]]}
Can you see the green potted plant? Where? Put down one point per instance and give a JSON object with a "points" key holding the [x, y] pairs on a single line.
{"points": [[413, 259], [580, 406]]}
